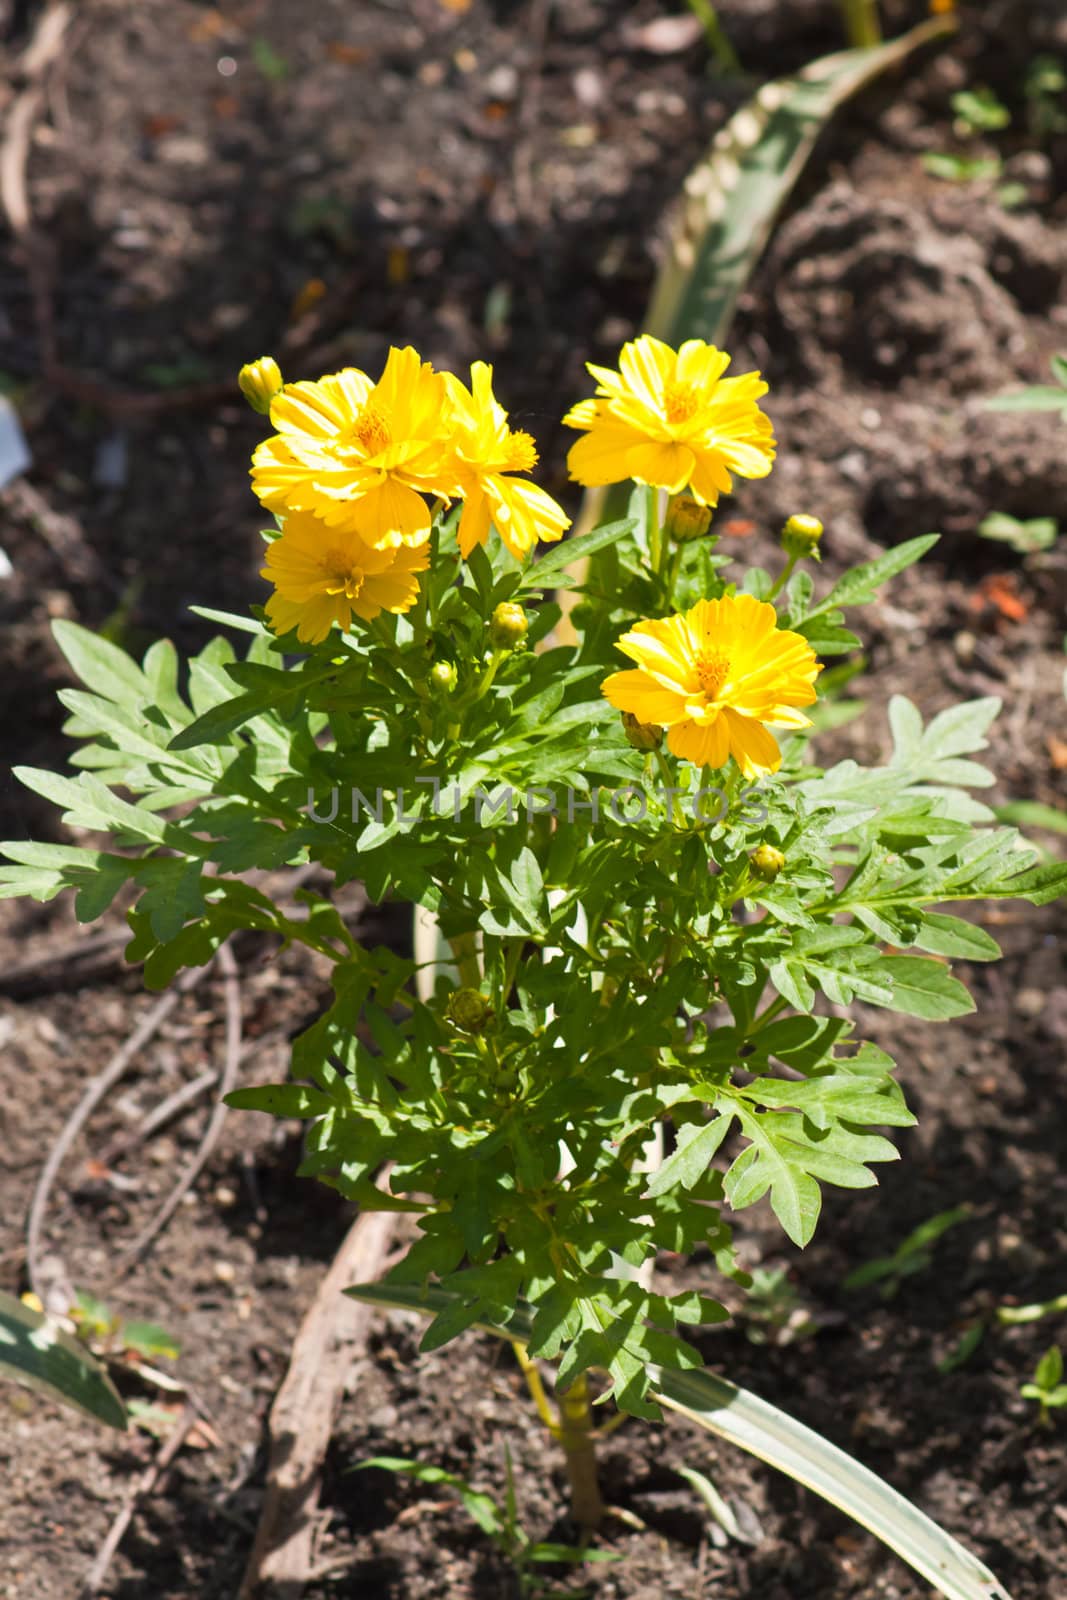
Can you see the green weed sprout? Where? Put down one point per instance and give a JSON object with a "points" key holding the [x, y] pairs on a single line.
{"points": [[1047, 1389]]}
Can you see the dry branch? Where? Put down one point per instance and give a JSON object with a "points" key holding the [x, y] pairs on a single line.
{"points": [[301, 1419]]}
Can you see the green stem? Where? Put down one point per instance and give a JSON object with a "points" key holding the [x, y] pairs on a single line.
{"points": [[718, 40], [862, 23], [782, 578], [655, 534], [666, 775], [465, 954], [577, 1436]]}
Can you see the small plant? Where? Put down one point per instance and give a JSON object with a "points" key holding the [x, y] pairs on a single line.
{"points": [[1045, 89], [914, 1254], [960, 168], [978, 111], [773, 1311], [501, 1525], [1039, 397], [110, 1335], [1038, 533], [1047, 1390]]}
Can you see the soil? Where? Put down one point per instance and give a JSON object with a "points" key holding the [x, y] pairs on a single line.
{"points": [[480, 177]]}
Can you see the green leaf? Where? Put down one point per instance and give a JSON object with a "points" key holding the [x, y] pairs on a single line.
{"points": [[35, 1351], [482, 1507], [1041, 397], [88, 803], [549, 572], [923, 988], [942, 935], [281, 1100], [691, 1157], [100, 665], [859, 586], [1049, 1370], [148, 1339]]}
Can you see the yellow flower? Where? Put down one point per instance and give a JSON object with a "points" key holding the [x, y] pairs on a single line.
{"points": [[325, 576], [486, 450], [671, 419], [358, 454], [713, 676]]}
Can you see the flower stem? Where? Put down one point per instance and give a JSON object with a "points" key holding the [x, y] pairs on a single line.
{"points": [[862, 23], [718, 41], [655, 534], [465, 953], [577, 1437], [782, 579]]}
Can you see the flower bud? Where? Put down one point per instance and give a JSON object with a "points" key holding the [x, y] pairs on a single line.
{"points": [[766, 862], [507, 626], [687, 519], [443, 676], [469, 1010], [259, 381], [800, 537], [642, 735]]}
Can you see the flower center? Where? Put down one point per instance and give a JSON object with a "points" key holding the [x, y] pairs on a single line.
{"points": [[370, 430], [520, 452], [342, 577], [680, 401], [712, 670]]}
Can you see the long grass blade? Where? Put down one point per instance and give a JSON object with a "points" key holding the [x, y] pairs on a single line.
{"points": [[35, 1351]]}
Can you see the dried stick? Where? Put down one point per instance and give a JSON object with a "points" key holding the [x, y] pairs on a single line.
{"points": [[232, 991], [95, 1091], [144, 1486], [38, 57], [301, 1418], [68, 967]]}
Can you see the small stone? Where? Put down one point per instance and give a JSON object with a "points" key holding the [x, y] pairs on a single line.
{"points": [[183, 150], [1030, 1002], [502, 83], [225, 1271]]}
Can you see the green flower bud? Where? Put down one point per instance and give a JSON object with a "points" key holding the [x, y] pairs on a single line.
{"points": [[687, 519], [259, 381], [507, 626], [443, 676], [800, 538], [469, 1010], [766, 862], [642, 735]]}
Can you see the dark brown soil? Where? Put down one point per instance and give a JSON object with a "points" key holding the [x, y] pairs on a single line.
{"points": [[491, 178]]}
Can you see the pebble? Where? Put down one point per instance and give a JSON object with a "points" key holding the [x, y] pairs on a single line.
{"points": [[1030, 1002], [588, 86], [225, 1271], [502, 83], [183, 150]]}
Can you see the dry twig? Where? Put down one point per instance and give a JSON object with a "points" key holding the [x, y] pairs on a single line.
{"points": [[94, 1093], [301, 1419], [232, 991], [144, 1486]]}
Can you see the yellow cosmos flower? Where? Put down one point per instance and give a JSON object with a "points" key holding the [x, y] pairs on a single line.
{"points": [[671, 419], [359, 454], [486, 451], [713, 676], [323, 577]]}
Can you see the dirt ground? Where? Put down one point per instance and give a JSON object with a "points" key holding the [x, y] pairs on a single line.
{"points": [[489, 180]]}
